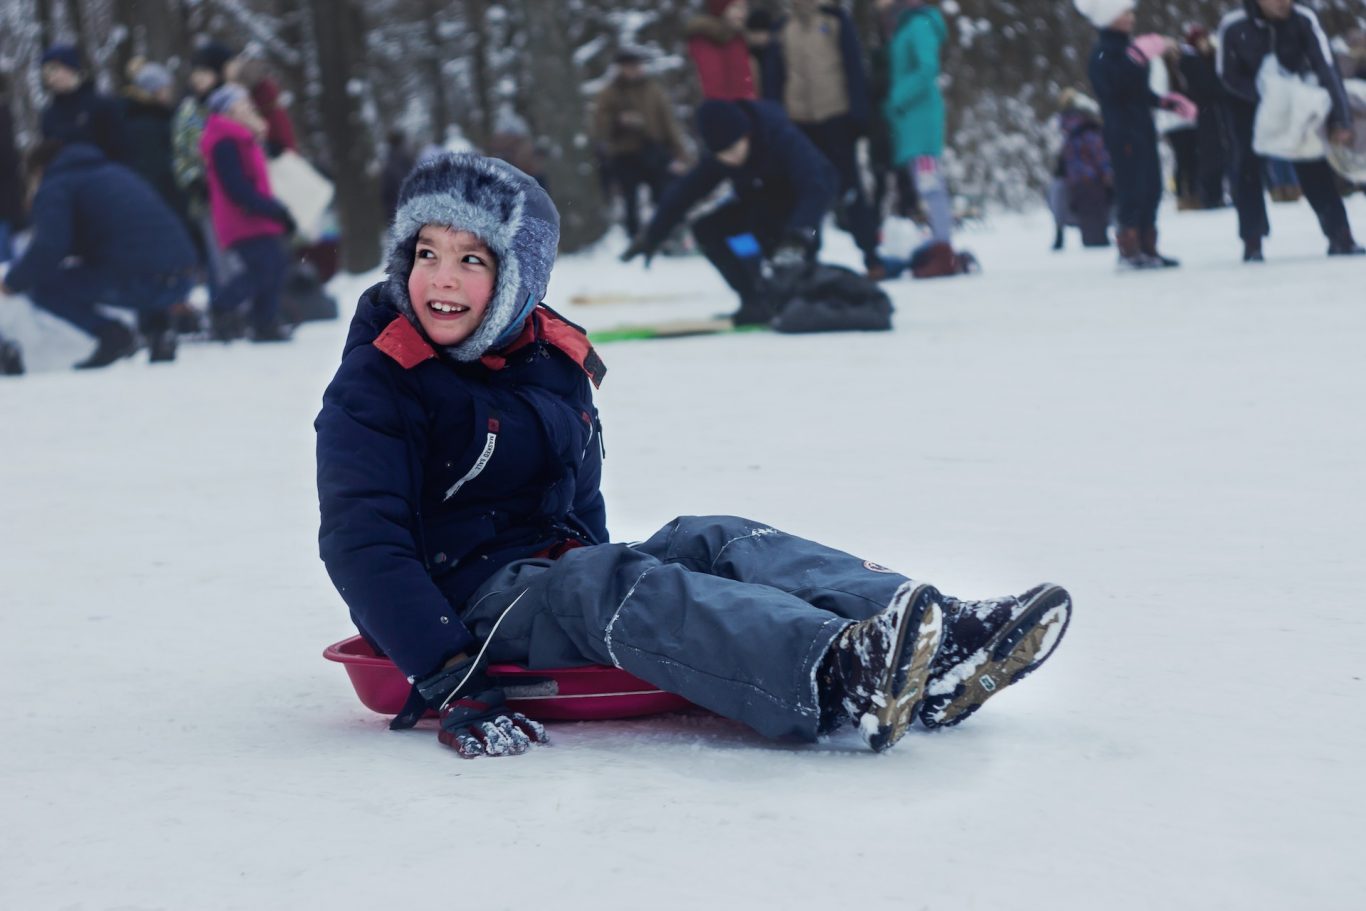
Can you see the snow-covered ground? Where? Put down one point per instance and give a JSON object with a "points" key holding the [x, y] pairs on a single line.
{"points": [[1183, 450]]}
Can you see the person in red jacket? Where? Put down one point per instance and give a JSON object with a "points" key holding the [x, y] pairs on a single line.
{"points": [[716, 43]]}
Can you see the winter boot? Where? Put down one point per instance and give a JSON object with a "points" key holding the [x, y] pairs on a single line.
{"points": [[11, 358], [988, 645], [160, 336], [225, 326], [875, 671], [270, 332], [116, 341], [1057, 238], [756, 309], [1130, 254], [1148, 244], [1344, 244], [1252, 250]]}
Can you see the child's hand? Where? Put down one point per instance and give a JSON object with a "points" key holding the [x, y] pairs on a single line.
{"points": [[481, 725], [475, 720]]}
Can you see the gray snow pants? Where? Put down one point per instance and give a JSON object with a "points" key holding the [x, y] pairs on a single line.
{"points": [[733, 615]]}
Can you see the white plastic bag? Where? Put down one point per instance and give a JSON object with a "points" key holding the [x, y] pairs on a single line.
{"points": [[304, 192], [1350, 161], [1292, 115]]}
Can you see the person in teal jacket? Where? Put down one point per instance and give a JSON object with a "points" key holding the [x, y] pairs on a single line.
{"points": [[915, 109]]}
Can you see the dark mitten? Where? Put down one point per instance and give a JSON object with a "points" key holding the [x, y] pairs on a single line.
{"points": [[475, 719]]}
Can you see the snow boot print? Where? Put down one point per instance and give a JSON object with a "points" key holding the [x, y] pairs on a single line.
{"points": [[989, 645]]}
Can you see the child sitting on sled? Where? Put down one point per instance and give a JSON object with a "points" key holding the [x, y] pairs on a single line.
{"points": [[459, 461]]}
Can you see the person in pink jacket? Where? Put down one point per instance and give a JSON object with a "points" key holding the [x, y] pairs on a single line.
{"points": [[716, 43], [247, 218]]}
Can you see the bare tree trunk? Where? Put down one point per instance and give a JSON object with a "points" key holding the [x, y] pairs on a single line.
{"points": [[555, 107], [436, 56], [75, 17], [476, 15], [341, 54], [47, 32]]}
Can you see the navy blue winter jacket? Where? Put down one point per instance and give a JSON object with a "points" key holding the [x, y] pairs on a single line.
{"points": [[86, 116], [104, 214], [851, 55], [785, 180], [1246, 37], [1126, 100], [433, 474]]}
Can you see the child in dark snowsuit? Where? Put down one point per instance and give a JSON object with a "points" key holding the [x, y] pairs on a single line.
{"points": [[459, 462], [1087, 180], [1119, 74]]}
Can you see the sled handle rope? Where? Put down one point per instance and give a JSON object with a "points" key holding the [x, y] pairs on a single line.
{"points": [[484, 648]]}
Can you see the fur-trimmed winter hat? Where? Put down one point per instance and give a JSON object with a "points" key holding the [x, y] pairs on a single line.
{"points": [[1102, 13], [501, 206]]}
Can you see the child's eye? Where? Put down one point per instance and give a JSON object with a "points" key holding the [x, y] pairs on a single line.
{"points": [[472, 258], [426, 254]]}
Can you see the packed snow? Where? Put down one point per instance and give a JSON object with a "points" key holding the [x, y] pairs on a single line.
{"points": [[1182, 449]]}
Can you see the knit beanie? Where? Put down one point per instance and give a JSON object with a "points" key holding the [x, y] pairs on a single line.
{"points": [[211, 56], [65, 54], [1102, 13], [505, 209], [722, 124], [152, 78], [224, 97]]}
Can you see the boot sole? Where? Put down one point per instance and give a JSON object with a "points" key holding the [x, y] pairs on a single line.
{"points": [[1012, 654], [903, 691]]}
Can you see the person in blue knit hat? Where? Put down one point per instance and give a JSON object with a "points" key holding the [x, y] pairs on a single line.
{"points": [[462, 521]]}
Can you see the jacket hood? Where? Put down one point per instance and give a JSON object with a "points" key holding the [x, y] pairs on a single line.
{"points": [[501, 206], [266, 94], [711, 28]]}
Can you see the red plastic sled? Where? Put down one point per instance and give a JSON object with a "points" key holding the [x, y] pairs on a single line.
{"points": [[593, 693]]}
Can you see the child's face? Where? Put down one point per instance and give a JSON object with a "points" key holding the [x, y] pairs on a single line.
{"points": [[60, 79], [244, 112], [451, 283]]}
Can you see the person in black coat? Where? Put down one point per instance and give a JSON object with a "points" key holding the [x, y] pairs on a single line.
{"points": [[1119, 70], [149, 109], [783, 189], [11, 176], [1201, 77], [129, 249], [1291, 32], [77, 112]]}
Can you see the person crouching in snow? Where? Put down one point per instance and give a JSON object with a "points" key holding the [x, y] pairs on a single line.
{"points": [[783, 188], [247, 218], [459, 461], [1291, 32], [1119, 70], [102, 235]]}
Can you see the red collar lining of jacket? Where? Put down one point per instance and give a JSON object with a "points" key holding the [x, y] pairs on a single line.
{"points": [[545, 325], [402, 342]]}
